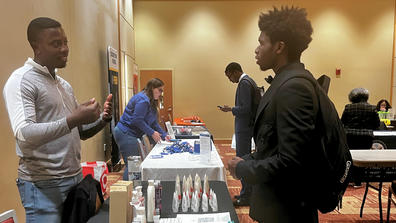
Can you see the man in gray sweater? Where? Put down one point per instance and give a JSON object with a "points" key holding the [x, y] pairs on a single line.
{"points": [[48, 123]]}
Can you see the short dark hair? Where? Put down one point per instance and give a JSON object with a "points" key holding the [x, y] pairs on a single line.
{"points": [[358, 95], [388, 106], [39, 24], [289, 25], [232, 67]]}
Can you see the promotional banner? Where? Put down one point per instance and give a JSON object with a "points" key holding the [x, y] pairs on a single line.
{"points": [[113, 71]]}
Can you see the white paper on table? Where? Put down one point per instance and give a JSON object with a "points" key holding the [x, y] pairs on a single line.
{"points": [[205, 147], [163, 142], [169, 220], [223, 217]]}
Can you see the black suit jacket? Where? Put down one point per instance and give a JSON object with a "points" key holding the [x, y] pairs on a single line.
{"points": [[285, 136], [81, 202], [243, 107]]}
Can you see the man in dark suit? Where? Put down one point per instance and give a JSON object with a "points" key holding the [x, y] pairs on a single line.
{"points": [[244, 112], [285, 131]]}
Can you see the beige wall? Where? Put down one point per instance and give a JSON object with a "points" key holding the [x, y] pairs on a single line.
{"points": [[91, 26], [127, 46], [393, 102], [199, 38]]}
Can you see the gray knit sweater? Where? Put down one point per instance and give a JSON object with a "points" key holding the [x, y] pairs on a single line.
{"points": [[37, 106]]}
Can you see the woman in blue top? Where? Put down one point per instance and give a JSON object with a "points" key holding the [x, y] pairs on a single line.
{"points": [[139, 118]]}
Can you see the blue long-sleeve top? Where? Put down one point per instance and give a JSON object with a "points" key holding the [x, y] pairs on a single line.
{"points": [[140, 117]]}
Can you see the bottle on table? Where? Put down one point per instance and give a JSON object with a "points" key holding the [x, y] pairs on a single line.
{"points": [[134, 173], [150, 200]]}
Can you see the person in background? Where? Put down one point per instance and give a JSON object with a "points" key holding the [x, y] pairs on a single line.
{"points": [[139, 118], [285, 131], [383, 105], [48, 123], [244, 112], [360, 119], [384, 113]]}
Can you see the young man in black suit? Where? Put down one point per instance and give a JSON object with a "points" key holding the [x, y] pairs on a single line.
{"points": [[244, 112], [285, 131]]}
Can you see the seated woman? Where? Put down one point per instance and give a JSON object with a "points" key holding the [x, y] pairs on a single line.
{"points": [[383, 107], [360, 119]]}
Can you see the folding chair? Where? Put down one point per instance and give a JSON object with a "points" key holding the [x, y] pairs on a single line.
{"points": [[146, 143], [142, 151], [170, 117], [377, 145]]}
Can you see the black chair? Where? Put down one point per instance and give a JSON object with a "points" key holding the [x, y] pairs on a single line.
{"points": [[371, 173], [358, 141]]}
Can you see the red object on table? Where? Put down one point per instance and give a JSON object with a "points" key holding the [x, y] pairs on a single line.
{"points": [[98, 170], [190, 121], [8, 220]]}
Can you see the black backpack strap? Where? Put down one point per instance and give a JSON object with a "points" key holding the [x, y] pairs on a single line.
{"points": [[256, 96]]}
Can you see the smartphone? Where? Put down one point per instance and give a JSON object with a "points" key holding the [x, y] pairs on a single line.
{"points": [[219, 106]]}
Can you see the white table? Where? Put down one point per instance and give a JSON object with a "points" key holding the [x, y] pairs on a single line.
{"points": [[170, 165], [380, 161], [374, 158]]}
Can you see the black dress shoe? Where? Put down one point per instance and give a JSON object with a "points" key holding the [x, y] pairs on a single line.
{"points": [[241, 202]]}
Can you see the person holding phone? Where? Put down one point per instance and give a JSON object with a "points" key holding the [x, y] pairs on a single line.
{"points": [[139, 118], [244, 112]]}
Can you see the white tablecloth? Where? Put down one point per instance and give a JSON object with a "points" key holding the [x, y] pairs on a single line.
{"points": [[374, 158], [384, 133], [169, 166]]}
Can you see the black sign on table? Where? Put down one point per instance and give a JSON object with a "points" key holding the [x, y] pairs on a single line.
{"points": [[224, 202]]}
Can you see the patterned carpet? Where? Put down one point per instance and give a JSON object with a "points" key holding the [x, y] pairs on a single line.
{"points": [[349, 213]]}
